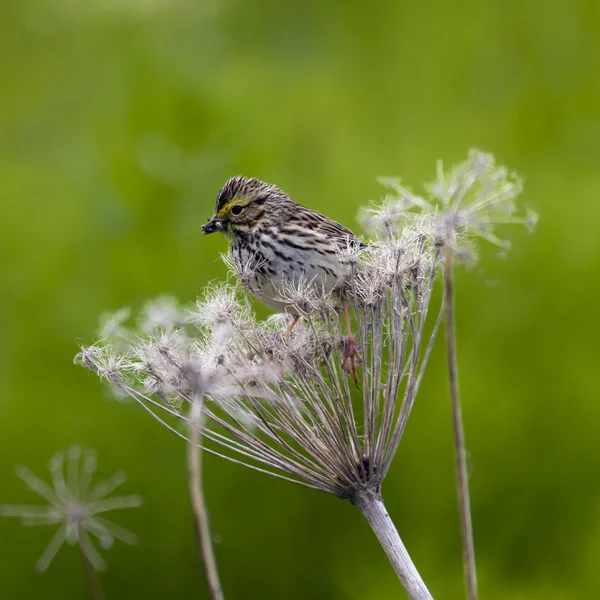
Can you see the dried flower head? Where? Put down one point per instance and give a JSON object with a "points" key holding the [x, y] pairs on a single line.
{"points": [[160, 314], [282, 403], [76, 505], [469, 201]]}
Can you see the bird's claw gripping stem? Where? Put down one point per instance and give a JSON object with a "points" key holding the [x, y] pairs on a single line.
{"points": [[351, 357]]}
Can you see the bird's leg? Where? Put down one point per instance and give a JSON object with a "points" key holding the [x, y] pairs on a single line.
{"points": [[351, 355], [286, 337]]}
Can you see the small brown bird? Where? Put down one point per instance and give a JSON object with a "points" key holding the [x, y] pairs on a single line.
{"points": [[287, 243]]}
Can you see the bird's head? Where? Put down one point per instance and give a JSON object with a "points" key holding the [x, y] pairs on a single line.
{"points": [[244, 204]]}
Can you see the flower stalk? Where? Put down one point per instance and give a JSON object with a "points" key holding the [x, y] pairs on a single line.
{"points": [[370, 503], [460, 451], [199, 510]]}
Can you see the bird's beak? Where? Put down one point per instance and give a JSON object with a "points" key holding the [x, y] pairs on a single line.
{"points": [[215, 224]]}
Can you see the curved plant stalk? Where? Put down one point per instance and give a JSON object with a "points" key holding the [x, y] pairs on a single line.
{"points": [[199, 511], [462, 480]]}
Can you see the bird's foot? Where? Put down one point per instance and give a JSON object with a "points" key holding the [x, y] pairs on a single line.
{"points": [[351, 357], [295, 320]]}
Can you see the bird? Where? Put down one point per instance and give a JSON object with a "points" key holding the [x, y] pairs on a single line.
{"points": [[285, 242]]}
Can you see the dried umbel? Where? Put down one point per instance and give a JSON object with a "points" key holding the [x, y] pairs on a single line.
{"points": [[76, 505], [469, 201], [280, 400], [284, 404]]}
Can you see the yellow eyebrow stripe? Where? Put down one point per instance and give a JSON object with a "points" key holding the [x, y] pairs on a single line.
{"points": [[224, 212]]}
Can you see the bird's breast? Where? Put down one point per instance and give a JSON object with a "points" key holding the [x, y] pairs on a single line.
{"points": [[270, 265]]}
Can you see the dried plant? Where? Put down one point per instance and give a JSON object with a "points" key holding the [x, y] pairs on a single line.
{"points": [[472, 200], [76, 505], [284, 405]]}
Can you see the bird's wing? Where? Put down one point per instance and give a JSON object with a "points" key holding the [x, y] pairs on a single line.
{"points": [[319, 223]]}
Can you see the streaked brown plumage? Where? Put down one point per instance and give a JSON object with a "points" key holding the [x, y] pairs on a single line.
{"points": [[283, 242]]}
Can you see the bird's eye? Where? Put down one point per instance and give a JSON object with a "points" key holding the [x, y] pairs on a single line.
{"points": [[237, 209]]}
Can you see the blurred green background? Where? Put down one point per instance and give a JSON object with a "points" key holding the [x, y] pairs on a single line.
{"points": [[119, 122]]}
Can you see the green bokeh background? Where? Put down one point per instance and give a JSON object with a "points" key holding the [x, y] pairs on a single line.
{"points": [[120, 120]]}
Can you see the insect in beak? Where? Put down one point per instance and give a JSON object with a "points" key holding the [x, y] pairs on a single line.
{"points": [[215, 224]]}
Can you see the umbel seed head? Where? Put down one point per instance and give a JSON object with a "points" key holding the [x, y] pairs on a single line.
{"points": [[278, 400]]}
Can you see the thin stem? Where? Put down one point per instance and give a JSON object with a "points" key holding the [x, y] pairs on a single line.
{"points": [[372, 507], [199, 510], [91, 576], [460, 451]]}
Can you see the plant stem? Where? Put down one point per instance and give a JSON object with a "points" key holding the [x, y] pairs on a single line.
{"points": [[199, 510], [371, 505], [462, 481], [91, 576]]}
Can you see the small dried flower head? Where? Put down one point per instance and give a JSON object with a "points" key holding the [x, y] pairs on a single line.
{"points": [[162, 347], [76, 505], [473, 199], [351, 253], [388, 217], [384, 218], [112, 327], [303, 296], [219, 307], [161, 313], [401, 261], [469, 201], [106, 361], [244, 270]]}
